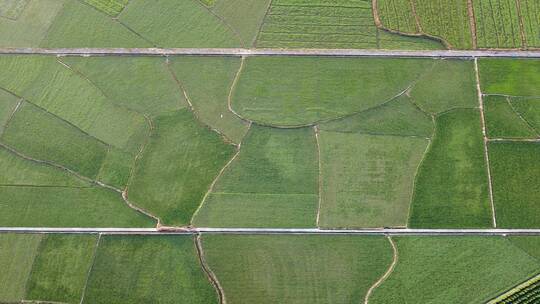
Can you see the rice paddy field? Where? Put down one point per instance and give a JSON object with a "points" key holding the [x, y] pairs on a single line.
{"points": [[269, 179], [268, 142]]}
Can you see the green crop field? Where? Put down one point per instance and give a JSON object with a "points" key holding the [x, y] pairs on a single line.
{"points": [[367, 179], [296, 269], [451, 189], [516, 77], [475, 269], [515, 179], [272, 182], [504, 121]]}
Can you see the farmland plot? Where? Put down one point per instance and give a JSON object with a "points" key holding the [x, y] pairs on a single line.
{"points": [[496, 262], [182, 159], [207, 81], [451, 189], [529, 110], [498, 24], [397, 15], [17, 252], [60, 268], [515, 176], [516, 77], [148, 269], [526, 292], [273, 182], [110, 7], [367, 180], [504, 121], [530, 15], [288, 91], [296, 269]]}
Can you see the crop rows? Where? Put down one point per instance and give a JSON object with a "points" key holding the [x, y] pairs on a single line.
{"points": [[110, 7], [497, 24], [397, 15], [528, 294], [335, 24], [530, 16]]}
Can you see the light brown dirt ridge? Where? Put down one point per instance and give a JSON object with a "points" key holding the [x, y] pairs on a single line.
{"points": [[387, 273], [316, 130], [521, 27], [486, 152], [211, 276], [472, 23]]}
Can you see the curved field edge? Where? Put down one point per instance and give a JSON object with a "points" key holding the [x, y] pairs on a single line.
{"points": [[497, 265]]}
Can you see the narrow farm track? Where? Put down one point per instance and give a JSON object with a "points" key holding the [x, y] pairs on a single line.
{"points": [[387, 273], [273, 231], [246, 52]]}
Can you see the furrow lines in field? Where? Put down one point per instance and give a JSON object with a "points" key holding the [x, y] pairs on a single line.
{"points": [[416, 17], [521, 26], [43, 186], [11, 115], [260, 27], [484, 135], [387, 273], [472, 23], [38, 249], [209, 273], [90, 268], [320, 33], [320, 6], [514, 139], [135, 32]]}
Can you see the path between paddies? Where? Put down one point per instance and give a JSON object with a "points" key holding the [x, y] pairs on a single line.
{"points": [[243, 52], [292, 231]]}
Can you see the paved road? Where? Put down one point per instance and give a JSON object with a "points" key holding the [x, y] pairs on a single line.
{"points": [[270, 52], [386, 231]]}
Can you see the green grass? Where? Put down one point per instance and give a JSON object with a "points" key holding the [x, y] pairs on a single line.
{"points": [[450, 84], [502, 121], [367, 180], [294, 91], [60, 269], [17, 253], [40, 135], [398, 117], [529, 109], [296, 269], [148, 269], [245, 16], [451, 189], [178, 166], [453, 270], [515, 177], [518, 77], [11, 9], [8, 103], [79, 25], [31, 24], [272, 183], [120, 78], [156, 20], [18, 171], [31, 206], [207, 81]]}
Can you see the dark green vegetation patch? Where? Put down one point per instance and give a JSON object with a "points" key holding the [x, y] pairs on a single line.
{"points": [[516, 176]]}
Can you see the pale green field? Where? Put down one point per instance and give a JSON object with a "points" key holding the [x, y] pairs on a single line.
{"points": [[503, 121], [453, 270], [272, 183], [208, 81], [17, 252], [296, 269], [292, 91], [367, 180]]}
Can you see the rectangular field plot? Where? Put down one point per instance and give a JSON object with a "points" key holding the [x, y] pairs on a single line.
{"points": [[467, 270], [516, 77], [273, 182], [451, 189], [110, 7], [60, 268], [148, 269], [296, 269], [504, 121], [367, 180], [498, 24], [17, 253], [516, 176]]}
